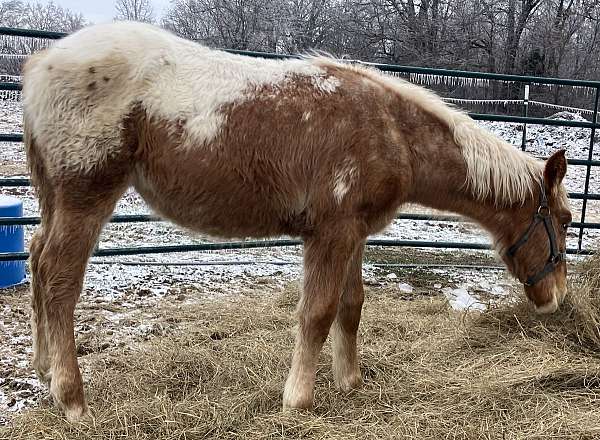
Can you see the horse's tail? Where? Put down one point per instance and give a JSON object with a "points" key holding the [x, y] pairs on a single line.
{"points": [[38, 172]]}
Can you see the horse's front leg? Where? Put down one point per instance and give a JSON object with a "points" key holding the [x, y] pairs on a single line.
{"points": [[346, 371], [326, 258]]}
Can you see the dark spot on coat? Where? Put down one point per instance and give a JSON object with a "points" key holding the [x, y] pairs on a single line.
{"points": [[50, 67], [92, 85], [106, 78], [92, 69]]}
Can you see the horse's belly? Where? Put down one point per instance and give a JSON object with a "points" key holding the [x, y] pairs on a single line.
{"points": [[215, 209]]}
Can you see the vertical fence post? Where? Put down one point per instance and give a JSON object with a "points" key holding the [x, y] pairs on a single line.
{"points": [[525, 112], [589, 169]]}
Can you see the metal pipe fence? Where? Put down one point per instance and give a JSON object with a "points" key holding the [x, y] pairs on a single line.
{"points": [[527, 81]]}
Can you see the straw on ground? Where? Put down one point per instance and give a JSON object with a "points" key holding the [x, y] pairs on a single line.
{"points": [[430, 372]]}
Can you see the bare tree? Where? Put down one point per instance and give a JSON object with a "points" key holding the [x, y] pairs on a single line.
{"points": [[307, 24], [538, 37], [136, 10], [11, 13], [51, 17], [235, 24]]}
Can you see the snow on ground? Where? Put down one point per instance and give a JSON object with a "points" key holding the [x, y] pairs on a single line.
{"points": [[122, 301]]}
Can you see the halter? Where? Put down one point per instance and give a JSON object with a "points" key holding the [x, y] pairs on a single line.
{"points": [[541, 216]]}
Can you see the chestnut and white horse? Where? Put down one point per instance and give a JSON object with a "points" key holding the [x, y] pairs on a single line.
{"points": [[237, 147]]}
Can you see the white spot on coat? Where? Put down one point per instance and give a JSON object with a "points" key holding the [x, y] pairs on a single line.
{"points": [[326, 84], [343, 179]]}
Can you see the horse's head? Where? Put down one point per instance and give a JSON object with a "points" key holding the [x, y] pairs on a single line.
{"points": [[535, 245]]}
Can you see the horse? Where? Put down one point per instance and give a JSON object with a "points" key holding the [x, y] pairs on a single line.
{"points": [[234, 146]]}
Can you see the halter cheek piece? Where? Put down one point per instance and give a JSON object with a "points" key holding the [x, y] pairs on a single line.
{"points": [[556, 257]]}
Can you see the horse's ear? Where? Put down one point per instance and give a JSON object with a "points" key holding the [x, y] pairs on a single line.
{"points": [[555, 170]]}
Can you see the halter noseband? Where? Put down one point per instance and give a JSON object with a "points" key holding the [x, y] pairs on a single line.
{"points": [[556, 257]]}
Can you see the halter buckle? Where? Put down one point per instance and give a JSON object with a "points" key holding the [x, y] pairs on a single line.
{"points": [[544, 210]]}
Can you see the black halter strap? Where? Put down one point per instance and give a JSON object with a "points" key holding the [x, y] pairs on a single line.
{"points": [[541, 216]]}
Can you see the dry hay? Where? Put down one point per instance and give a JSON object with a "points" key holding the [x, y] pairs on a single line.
{"points": [[431, 373]]}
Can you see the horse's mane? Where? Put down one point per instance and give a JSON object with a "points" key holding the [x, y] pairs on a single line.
{"points": [[495, 169]]}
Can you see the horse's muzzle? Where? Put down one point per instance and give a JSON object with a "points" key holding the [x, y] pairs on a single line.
{"points": [[552, 306]]}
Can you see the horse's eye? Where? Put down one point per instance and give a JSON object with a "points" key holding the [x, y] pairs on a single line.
{"points": [[565, 226]]}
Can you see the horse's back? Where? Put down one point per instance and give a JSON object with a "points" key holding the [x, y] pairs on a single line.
{"points": [[88, 83]]}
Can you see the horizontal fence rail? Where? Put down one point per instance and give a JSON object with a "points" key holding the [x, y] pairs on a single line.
{"points": [[143, 218], [111, 252], [33, 33], [393, 69]]}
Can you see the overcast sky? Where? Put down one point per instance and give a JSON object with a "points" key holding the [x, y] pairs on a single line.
{"points": [[99, 11]]}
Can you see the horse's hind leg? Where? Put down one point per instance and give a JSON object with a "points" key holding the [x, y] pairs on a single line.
{"points": [[346, 371], [79, 214], [326, 259], [45, 192]]}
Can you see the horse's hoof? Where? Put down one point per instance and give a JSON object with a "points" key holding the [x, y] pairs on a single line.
{"points": [[350, 383], [68, 395], [298, 393], [297, 403], [301, 407], [77, 413]]}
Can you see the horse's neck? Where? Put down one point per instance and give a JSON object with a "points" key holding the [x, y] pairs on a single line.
{"points": [[457, 166], [440, 182], [461, 200]]}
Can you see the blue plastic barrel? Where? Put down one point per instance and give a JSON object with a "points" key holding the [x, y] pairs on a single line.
{"points": [[11, 240]]}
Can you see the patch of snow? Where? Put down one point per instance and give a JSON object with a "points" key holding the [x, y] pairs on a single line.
{"points": [[405, 288], [461, 299], [499, 290]]}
